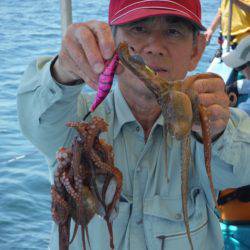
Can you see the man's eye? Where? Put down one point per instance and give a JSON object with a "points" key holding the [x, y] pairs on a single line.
{"points": [[173, 32], [139, 29]]}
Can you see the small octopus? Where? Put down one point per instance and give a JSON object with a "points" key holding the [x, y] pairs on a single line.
{"points": [[86, 182]]}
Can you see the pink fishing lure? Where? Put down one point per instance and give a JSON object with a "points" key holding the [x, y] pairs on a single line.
{"points": [[104, 83]]}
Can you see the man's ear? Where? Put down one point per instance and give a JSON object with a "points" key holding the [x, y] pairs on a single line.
{"points": [[198, 49]]}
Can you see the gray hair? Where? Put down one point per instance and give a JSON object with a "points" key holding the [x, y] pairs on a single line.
{"points": [[113, 30]]}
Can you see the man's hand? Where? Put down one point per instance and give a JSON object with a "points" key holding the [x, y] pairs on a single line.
{"points": [[84, 49], [208, 35], [216, 21], [212, 95]]}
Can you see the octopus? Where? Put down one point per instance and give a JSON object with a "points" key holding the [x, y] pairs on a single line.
{"points": [[86, 183], [181, 109]]}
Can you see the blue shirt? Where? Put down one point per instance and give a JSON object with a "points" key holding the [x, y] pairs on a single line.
{"points": [[150, 217]]}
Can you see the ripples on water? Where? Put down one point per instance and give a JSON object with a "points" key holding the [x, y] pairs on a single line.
{"points": [[30, 29]]}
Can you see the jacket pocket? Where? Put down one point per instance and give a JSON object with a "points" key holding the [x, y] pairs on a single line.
{"points": [[164, 226]]}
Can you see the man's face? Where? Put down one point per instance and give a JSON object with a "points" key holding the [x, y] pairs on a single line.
{"points": [[166, 44]]}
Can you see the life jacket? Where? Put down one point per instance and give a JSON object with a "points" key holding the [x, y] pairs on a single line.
{"points": [[234, 205]]}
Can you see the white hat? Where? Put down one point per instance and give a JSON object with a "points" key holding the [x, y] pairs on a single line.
{"points": [[238, 56]]}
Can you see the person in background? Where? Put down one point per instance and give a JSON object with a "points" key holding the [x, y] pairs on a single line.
{"points": [[239, 59], [240, 25], [234, 203], [168, 36]]}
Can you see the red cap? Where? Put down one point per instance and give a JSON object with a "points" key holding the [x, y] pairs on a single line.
{"points": [[125, 11]]}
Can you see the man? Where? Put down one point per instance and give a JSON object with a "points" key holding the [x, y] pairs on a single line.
{"points": [[239, 59], [240, 25], [167, 36]]}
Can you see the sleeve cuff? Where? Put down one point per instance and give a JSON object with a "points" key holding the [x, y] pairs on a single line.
{"points": [[228, 146], [232, 147], [51, 91], [75, 82], [56, 89]]}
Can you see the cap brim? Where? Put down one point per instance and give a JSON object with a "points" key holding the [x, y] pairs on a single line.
{"points": [[145, 13], [240, 55], [232, 60]]}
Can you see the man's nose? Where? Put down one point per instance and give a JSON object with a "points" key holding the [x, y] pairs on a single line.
{"points": [[156, 46], [152, 51]]}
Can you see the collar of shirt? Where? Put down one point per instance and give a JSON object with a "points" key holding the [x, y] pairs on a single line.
{"points": [[123, 113]]}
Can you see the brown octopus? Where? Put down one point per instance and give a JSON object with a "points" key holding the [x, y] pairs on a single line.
{"points": [[181, 109], [76, 193]]}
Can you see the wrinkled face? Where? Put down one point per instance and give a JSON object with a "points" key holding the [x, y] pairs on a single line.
{"points": [[167, 44]]}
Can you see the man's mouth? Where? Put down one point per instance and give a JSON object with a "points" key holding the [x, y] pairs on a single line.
{"points": [[154, 67], [158, 69]]}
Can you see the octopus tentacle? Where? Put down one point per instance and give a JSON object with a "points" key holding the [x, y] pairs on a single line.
{"points": [[94, 185], [75, 163], [87, 234], [165, 136], [207, 141], [113, 170], [111, 240], [65, 181], [74, 233], [61, 204], [83, 238], [105, 185], [185, 152], [64, 233]]}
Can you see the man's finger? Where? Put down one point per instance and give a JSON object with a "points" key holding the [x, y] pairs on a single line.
{"points": [[217, 112], [104, 37], [217, 127], [208, 99], [89, 45], [209, 85], [78, 56], [73, 68]]}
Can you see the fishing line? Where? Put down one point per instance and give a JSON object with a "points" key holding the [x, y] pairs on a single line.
{"points": [[19, 157]]}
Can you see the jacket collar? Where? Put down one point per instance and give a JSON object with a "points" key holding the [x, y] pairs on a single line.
{"points": [[123, 114]]}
